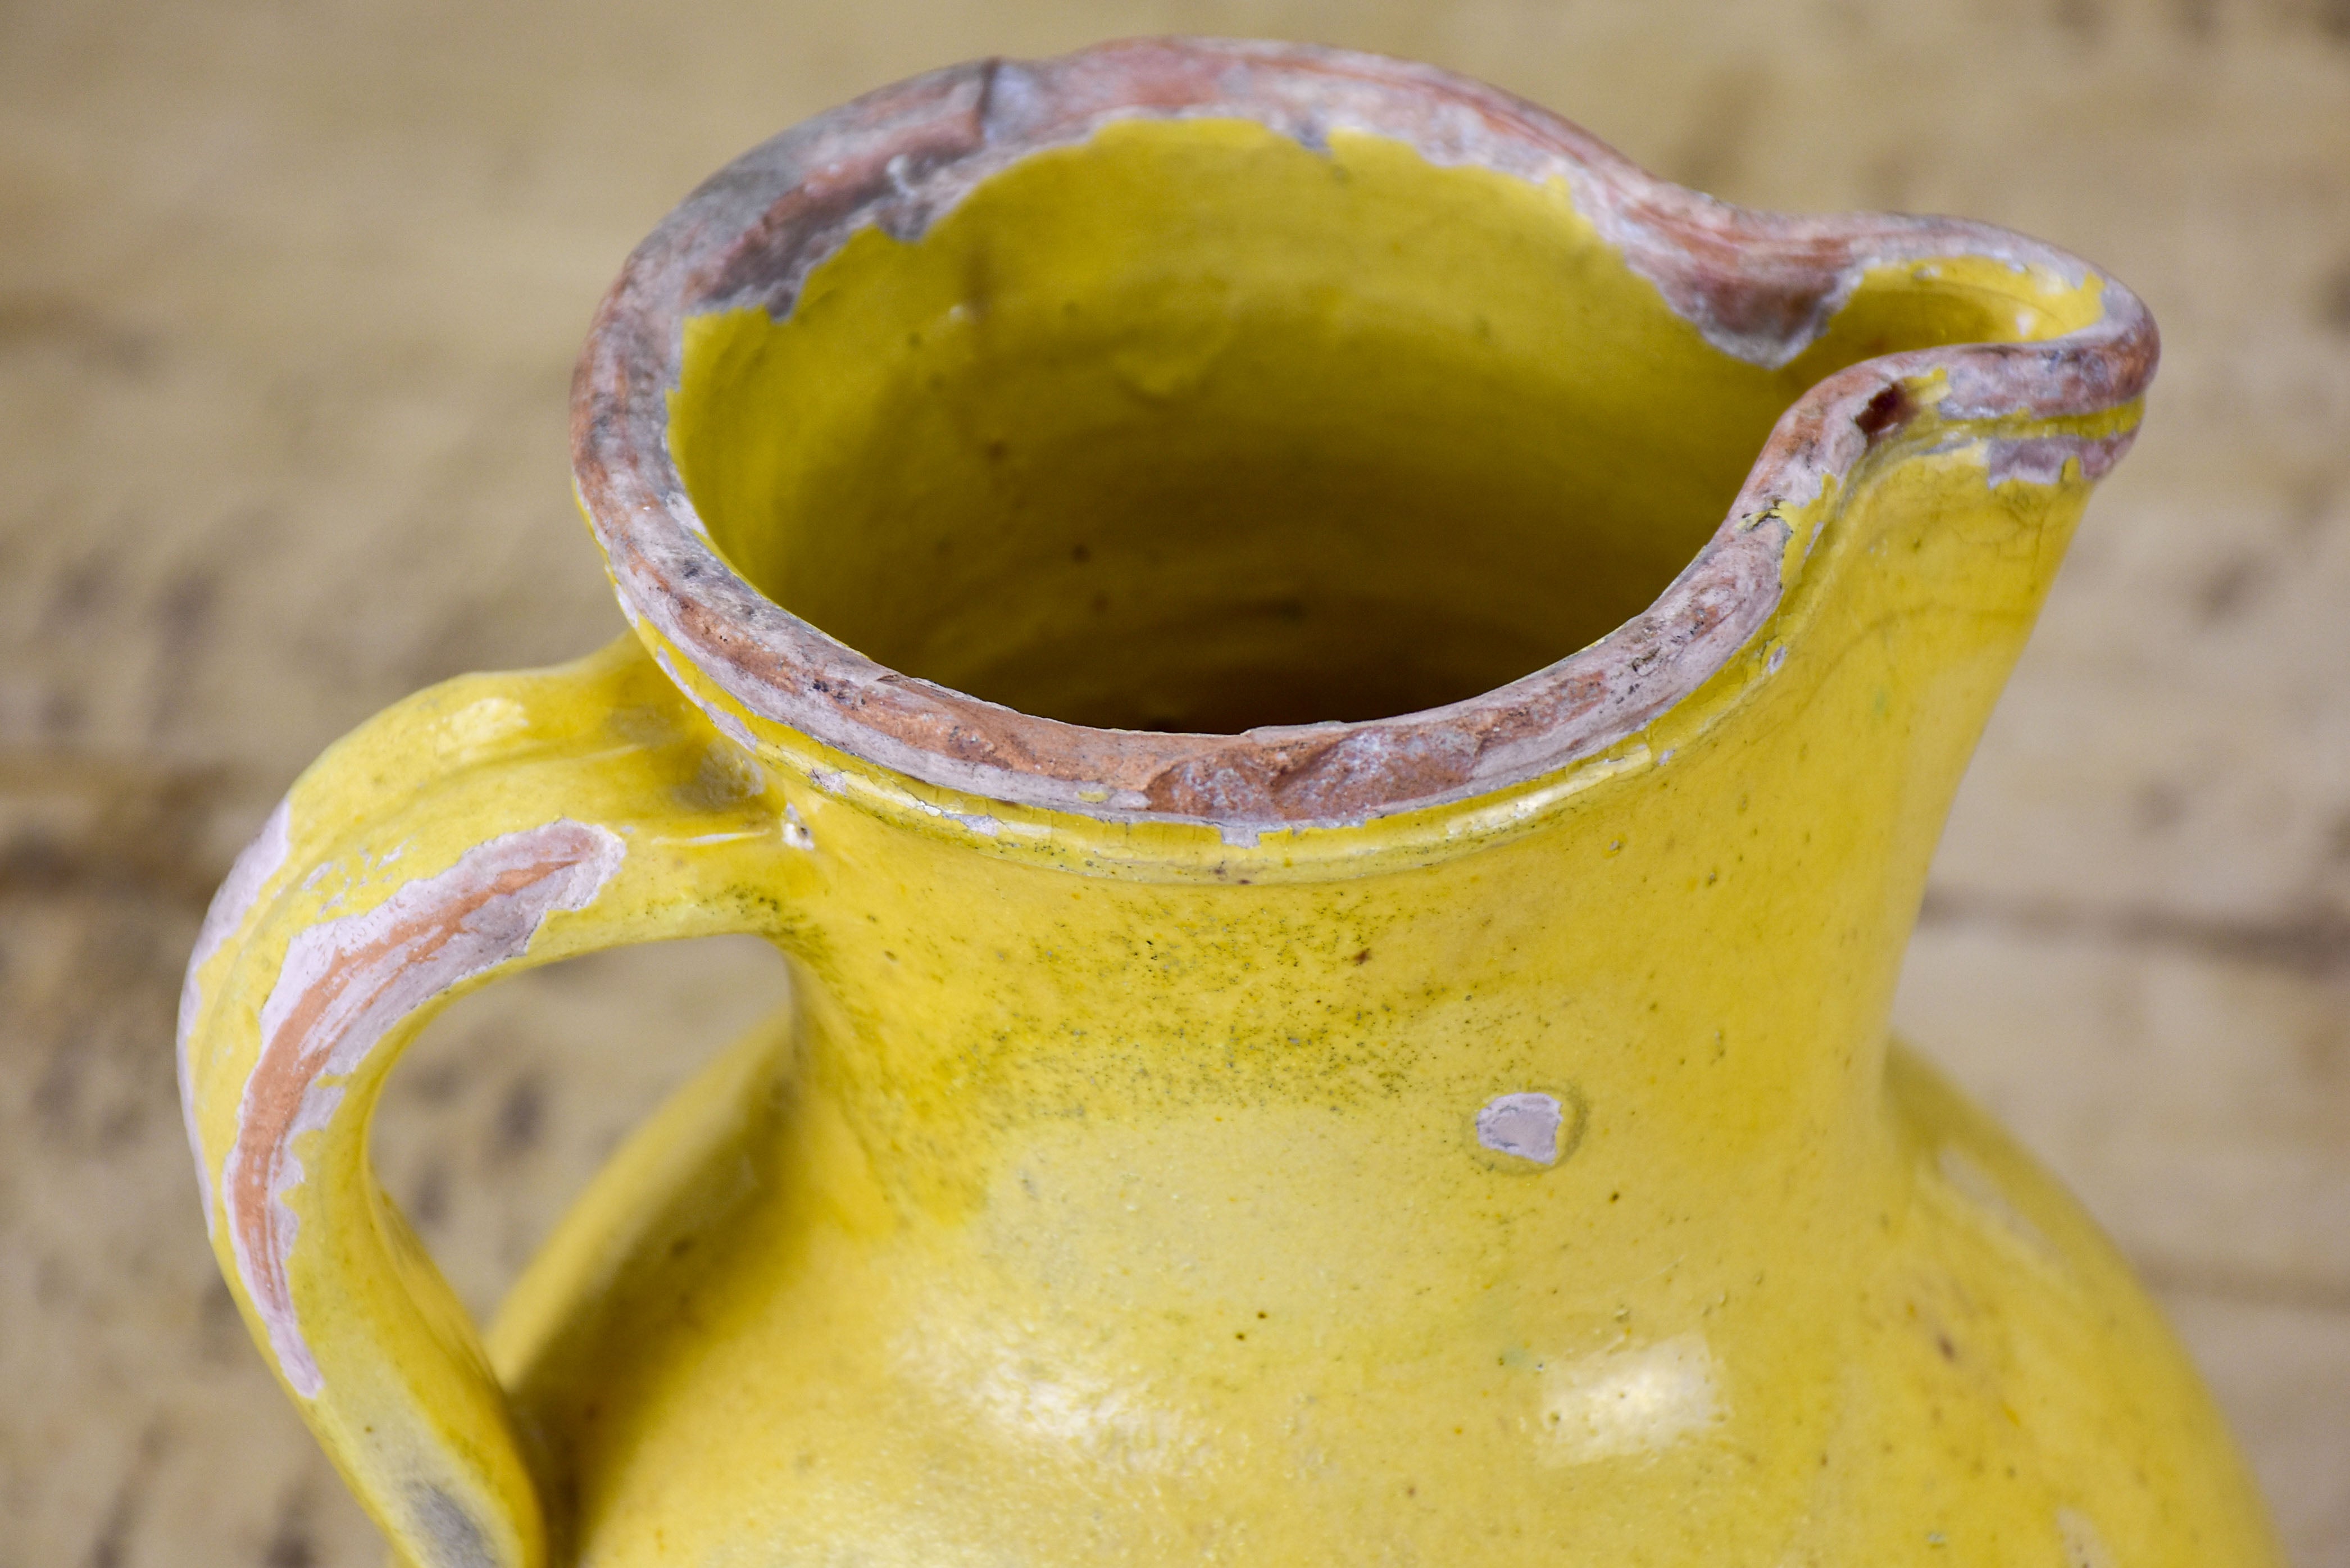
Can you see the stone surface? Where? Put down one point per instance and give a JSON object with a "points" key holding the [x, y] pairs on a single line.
{"points": [[288, 299]]}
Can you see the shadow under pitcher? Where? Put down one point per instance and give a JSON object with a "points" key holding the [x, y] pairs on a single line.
{"points": [[1340, 703]]}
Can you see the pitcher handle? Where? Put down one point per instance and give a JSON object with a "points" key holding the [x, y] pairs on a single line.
{"points": [[483, 827]]}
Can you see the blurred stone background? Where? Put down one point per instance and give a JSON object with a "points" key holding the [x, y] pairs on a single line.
{"points": [[288, 298]]}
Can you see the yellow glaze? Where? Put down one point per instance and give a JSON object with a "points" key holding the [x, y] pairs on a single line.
{"points": [[1191, 428], [1115, 1193]]}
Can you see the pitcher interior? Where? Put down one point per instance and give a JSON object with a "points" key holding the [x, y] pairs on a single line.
{"points": [[1192, 427]]}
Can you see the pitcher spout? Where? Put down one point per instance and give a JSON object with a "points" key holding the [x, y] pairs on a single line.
{"points": [[1928, 496]]}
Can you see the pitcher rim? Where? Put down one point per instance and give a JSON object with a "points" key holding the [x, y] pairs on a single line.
{"points": [[1758, 286]]}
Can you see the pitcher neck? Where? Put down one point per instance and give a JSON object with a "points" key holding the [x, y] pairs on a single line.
{"points": [[1696, 944]]}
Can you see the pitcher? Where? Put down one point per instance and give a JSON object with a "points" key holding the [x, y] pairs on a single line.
{"points": [[1340, 703]]}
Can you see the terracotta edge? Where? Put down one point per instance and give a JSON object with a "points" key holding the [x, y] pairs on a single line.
{"points": [[255, 865], [344, 986], [1758, 286]]}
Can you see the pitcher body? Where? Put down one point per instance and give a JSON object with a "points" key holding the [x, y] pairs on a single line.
{"points": [[1340, 704]]}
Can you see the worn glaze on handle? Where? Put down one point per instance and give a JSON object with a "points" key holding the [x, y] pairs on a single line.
{"points": [[484, 827]]}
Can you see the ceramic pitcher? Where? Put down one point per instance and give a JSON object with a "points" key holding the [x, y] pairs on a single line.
{"points": [[1340, 703]]}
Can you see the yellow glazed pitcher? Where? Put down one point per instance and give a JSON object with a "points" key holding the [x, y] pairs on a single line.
{"points": [[1340, 703]]}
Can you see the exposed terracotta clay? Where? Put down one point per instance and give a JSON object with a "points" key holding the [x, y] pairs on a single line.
{"points": [[344, 985], [1759, 285], [255, 865]]}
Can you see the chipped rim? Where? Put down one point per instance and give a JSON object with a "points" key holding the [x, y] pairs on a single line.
{"points": [[1759, 285]]}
